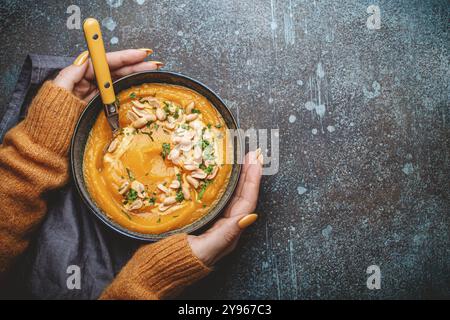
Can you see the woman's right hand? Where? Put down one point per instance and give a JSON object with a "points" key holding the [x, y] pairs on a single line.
{"points": [[79, 77], [222, 238]]}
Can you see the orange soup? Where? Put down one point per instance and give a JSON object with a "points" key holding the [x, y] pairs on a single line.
{"points": [[166, 167]]}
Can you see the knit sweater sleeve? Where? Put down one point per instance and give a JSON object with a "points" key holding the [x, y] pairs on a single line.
{"points": [[157, 271], [33, 162]]}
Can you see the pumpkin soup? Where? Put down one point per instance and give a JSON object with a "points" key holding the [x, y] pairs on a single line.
{"points": [[166, 167]]}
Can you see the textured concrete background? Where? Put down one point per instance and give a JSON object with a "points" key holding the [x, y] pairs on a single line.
{"points": [[364, 129]]}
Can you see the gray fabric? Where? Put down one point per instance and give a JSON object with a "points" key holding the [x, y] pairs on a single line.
{"points": [[70, 234]]}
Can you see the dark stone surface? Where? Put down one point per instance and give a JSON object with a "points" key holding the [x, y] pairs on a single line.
{"points": [[376, 189]]}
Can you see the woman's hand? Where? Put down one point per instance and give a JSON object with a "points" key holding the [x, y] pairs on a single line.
{"points": [[222, 238], [78, 78]]}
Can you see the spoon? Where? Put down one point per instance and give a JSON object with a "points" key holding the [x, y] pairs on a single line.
{"points": [[96, 48]]}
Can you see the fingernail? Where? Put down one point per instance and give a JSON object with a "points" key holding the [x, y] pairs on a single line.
{"points": [[261, 159], [259, 156], [147, 50], [159, 64], [81, 58], [247, 220]]}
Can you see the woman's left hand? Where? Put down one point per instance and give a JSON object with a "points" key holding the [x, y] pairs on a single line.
{"points": [[78, 78]]}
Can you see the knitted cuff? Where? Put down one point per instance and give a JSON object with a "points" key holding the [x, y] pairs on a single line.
{"points": [[52, 117], [158, 271]]}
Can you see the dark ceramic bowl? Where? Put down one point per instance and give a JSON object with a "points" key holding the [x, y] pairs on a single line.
{"points": [[95, 107]]}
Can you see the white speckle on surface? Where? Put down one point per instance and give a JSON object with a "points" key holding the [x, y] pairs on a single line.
{"points": [[408, 168], [372, 94], [236, 32], [409, 156], [310, 105], [114, 40], [180, 33], [114, 3], [320, 72], [301, 190], [320, 110], [273, 25], [109, 23], [292, 118], [270, 100], [140, 2], [300, 82], [314, 131], [331, 128], [326, 232]]}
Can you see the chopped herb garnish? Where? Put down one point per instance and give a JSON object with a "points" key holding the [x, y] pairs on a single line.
{"points": [[131, 195], [133, 95], [196, 111], [178, 177], [218, 126], [176, 114], [152, 200], [205, 143], [130, 174], [166, 107], [209, 125], [209, 169], [204, 205], [179, 197], [185, 126], [203, 189], [165, 150]]}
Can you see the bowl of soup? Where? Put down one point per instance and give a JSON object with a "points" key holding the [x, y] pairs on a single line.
{"points": [[171, 168]]}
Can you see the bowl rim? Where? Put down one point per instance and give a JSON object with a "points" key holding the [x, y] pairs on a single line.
{"points": [[205, 220]]}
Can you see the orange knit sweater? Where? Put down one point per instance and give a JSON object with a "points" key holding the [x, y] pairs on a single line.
{"points": [[34, 162]]}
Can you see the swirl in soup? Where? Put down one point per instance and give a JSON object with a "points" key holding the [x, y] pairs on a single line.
{"points": [[166, 168]]}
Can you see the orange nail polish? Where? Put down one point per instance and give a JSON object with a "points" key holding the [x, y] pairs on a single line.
{"points": [[261, 159], [81, 58], [147, 50], [159, 64], [259, 156], [247, 220]]}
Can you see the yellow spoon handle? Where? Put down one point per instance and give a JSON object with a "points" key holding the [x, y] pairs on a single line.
{"points": [[97, 53]]}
